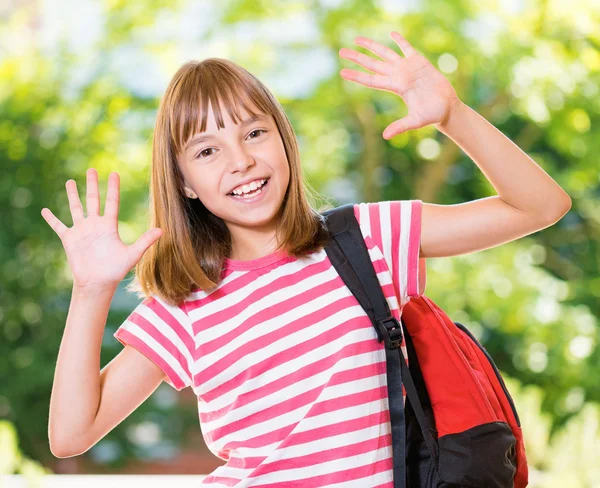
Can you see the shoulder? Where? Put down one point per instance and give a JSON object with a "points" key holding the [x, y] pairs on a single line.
{"points": [[396, 216]]}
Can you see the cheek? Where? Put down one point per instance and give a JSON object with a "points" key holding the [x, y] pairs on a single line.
{"points": [[206, 183], [208, 191], [214, 204]]}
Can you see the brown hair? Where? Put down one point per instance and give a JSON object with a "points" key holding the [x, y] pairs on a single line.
{"points": [[191, 251]]}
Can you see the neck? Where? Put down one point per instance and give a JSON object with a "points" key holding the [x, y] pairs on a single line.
{"points": [[252, 245]]}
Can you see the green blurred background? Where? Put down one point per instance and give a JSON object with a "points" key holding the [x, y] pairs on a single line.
{"points": [[80, 83]]}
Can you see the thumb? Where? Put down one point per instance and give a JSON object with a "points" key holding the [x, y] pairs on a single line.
{"points": [[139, 247], [401, 125]]}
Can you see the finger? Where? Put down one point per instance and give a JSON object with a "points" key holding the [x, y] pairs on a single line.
{"points": [[139, 247], [367, 79], [365, 61], [383, 52], [74, 201], [56, 225], [399, 126], [403, 44], [111, 207], [92, 196]]}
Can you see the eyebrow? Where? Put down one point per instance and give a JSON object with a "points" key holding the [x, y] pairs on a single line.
{"points": [[205, 137]]}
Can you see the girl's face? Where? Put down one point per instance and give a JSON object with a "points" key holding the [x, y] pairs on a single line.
{"points": [[224, 159]]}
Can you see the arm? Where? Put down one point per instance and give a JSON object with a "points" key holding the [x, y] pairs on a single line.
{"points": [[528, 198], [99, 261], [518, 179], [76, 388], [87, 403]]}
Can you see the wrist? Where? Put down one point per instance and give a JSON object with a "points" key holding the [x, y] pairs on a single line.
{"points": [[82, 291], [454, 112]]}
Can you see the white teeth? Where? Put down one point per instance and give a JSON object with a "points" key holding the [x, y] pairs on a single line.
{"points": [[247, 188]]}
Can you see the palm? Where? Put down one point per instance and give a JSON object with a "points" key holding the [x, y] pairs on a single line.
{"points": [[424, 90], [96, 255], [429, 96]]}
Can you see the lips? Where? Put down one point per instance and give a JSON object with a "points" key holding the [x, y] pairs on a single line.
{"points": [[255, 198], [241, 185]]}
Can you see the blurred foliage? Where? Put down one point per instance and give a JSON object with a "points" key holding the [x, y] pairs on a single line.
{"points": [[533, 303], [566, 458], [12, 460]]}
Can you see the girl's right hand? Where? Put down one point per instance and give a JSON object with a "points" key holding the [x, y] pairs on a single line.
{"points": [[96, 255]]}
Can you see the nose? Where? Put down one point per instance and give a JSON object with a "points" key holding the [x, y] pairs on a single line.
{"points": [[241, 160]]}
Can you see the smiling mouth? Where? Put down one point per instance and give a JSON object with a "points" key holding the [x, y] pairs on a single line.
{"points": [[253, 192]]}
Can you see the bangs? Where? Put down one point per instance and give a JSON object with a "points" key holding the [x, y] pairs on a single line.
{"points": [[191, 102]]}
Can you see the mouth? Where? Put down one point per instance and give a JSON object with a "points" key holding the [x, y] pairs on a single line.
{"points": [[252, 193]]}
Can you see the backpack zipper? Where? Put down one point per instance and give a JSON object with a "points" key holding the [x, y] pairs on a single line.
{"points": [[496, 371]]}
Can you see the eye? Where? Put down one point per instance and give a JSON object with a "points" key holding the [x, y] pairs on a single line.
{"points": [[201, 152], [199, 155], [257, 130]]}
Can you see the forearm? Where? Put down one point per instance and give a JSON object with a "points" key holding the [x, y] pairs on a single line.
{"points": [[519, 180], [76, 390]]}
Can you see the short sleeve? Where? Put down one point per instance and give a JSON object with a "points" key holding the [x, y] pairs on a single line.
{"points": [[162, 333], [395, 227]]}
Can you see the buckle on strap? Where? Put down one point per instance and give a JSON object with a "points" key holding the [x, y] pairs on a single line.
{"points": [[391, 332]]}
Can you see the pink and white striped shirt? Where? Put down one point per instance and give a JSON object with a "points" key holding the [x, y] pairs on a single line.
{"points": [[286, 366]]}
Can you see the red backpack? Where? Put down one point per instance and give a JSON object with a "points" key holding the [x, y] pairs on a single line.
{"points": [[460, 427]]}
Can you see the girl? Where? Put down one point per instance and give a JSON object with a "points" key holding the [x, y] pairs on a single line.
{"points": [[241, 302]]}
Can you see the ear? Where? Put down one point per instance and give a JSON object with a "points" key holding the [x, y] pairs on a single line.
{"points": [[189, 192]]}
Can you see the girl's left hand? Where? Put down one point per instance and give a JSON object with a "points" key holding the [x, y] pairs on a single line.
{"points": [[429, 96]]}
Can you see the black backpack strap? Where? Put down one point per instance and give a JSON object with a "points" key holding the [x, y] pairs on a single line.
{"points": [[349, 255]]}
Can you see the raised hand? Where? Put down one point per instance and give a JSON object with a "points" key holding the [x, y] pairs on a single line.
{"points": [[96, 255], [427, 93]]}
